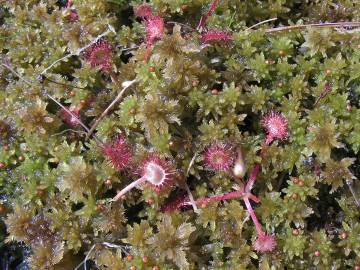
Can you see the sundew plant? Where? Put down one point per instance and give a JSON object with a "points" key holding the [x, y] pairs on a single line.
{"points": [[179, 134]]}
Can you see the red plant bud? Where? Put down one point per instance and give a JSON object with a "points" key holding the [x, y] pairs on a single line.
{"points": [[239, 169]]}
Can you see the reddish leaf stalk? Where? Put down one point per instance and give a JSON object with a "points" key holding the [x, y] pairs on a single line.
{"points": [[223, 197], [264, 243], [276, 127], [157, 172], [252, 178], [215, 35], [257, 224], [204, 18], [129, 187]]}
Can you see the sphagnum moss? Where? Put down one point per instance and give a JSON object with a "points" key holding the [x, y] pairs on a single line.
{"points": [[222, 102]]}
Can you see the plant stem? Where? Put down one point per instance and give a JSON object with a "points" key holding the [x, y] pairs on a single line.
{"points": [[255, 171], [350, 185], [118, 97], [63, 84], [110, 30], [128, 188], [262, 22], [191, 197], [86, 258], [252, 177], [302, 26], [53, 99], [223, 197], [203, 18], [253, 217]]}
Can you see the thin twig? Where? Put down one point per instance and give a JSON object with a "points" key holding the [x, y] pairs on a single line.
{"points": [[191, 197], [64, 84], [67, 130], [69, 112], [129, 49], [260, 23], [30, 83], [350, 185], [323, 94], [203, 19], [53, 99], [118, 97], [106, 244], [302, 26], [182, 24], [17, 74], [190, 164], [86, 258], [122, 247], [110, 30]]}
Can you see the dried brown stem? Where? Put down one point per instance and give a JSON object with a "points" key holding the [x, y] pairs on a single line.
{"points": [[118, 97], [353, 193], [53, 99], [79, 51], [321, 25], [262, 22], [191, 197]]}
